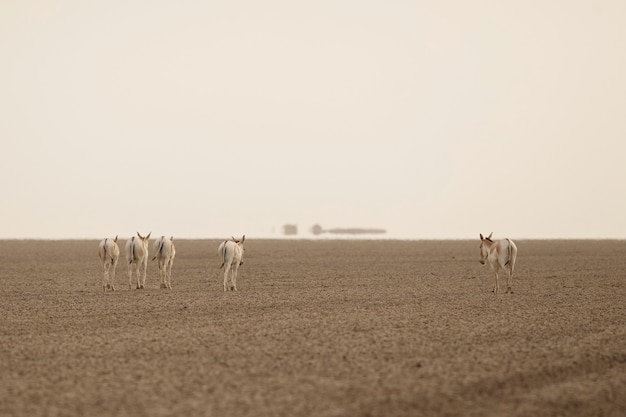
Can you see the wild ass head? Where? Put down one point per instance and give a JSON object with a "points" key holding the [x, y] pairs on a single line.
{"points": [[144, 239], [485, 244]]}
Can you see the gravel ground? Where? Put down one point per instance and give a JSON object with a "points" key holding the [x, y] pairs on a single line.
{"points": [[317, 328]]}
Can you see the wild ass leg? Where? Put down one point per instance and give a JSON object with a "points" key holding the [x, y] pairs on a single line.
{"points": [[168, 270], [144, 267], [130, 276], [161, 277], [226, 271], [233, 280], [137, 276], [109, 275], [104, 277], [496, 287], [112, 275], [509, 281]]}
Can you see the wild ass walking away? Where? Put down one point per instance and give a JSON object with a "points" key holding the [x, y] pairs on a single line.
{"points": [[231, 253], [109, 254], [500, 254], [165, 253], [137, 257]]}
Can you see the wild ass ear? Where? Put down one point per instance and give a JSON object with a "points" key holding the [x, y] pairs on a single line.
{"points": [[148, 237], [140, 237], [481, 237], [243, 238], [489, 237], [171, 238], [115, 240]]}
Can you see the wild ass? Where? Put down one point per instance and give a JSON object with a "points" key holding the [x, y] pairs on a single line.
{"points": [[231, 252], [137, 257], [109, 254], [165, 253], [500, 254]]}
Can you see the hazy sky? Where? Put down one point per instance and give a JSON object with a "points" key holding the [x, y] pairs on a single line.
{"points": [[431, 119]]}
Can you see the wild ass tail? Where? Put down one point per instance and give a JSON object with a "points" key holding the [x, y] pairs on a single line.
{"points": [[223, 254], [132, 250], [158, 252], [110, 255], [104, 247], [509, 250]]}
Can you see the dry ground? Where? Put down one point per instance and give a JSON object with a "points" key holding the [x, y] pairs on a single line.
{"points": [[317, 328]]}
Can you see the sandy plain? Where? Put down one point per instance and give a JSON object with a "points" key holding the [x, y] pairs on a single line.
{"points": [[317, 328]]}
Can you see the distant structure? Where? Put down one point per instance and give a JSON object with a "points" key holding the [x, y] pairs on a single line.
{"points": [[316, 229], [357, 231], [290, 229]]}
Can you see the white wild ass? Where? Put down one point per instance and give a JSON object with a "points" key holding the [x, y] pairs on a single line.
{"points": [[500, 254], [137, 257], [231, 253], [165, 253], [109, 254]]}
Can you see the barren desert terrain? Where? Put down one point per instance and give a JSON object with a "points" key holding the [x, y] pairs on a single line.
{"points": [[317, 328]]}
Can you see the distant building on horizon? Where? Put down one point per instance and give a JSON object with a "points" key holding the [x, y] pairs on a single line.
{"points": [[316, 229], [290, 229]]}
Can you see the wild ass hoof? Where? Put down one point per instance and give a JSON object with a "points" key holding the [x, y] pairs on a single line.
{"points": [[163, 286]]}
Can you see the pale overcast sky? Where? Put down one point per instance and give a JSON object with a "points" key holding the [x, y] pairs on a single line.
{"points": [[431, 119]]}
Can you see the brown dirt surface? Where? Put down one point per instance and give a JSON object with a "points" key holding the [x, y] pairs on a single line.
{"points": [[317, 328]]}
